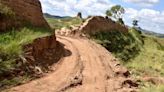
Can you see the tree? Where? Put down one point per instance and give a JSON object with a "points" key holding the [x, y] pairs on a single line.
{"points": [[135, 23], [79, 15], [116, 12], [136, 27]]}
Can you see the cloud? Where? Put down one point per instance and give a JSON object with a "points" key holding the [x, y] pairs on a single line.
{"points": [[71, 7], [149, 19], [147, 3]]}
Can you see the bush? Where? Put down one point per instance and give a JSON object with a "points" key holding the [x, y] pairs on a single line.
{"points": [[124, 45]]}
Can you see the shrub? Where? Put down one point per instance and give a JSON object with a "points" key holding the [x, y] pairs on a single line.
{"points": [[124, 45]]}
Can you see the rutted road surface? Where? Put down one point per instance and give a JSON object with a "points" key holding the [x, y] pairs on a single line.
{"points": [[87, 67]]}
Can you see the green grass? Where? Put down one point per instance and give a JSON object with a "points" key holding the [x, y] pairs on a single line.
{"points": [[143, 55], [12, 41], [152, 88], [123, 45], [11, 47], [64, 22], [150, 61]]}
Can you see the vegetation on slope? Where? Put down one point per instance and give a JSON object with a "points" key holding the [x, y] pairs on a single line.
{"points": [[58, 23], [124, 45], [10, 49], [153, 88], [150, 61], [142, 55]]}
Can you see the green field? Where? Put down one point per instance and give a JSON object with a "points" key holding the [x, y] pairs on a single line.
{"points": [[63, 22]]}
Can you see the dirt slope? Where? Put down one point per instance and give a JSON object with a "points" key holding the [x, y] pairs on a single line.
{"points": [[26, 12], [86, 67]]}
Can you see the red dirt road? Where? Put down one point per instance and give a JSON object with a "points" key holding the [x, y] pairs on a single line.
{"points": [[86, 67]]}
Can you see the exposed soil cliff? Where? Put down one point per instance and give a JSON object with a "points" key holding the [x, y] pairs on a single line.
{"points": [[25, 12], [93, 25], [97, 23]]}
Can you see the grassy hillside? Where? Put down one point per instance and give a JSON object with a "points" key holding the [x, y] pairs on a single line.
{"points": [[150, 60], [11, 47], [58, 23], [123, 45], [143, 55], [149, 63]]}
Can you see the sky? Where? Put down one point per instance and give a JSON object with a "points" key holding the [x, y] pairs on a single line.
{"points": [[150, 13]]}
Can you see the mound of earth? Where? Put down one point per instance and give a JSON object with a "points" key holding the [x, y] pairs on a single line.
{"points": [[24, 12], [39, 55], [97, 23], [93, 25]]}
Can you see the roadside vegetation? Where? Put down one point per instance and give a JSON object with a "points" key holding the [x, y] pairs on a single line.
{"points": [[152, 88], [11, 47], [142, 54], [150, 60], [123, 45]]}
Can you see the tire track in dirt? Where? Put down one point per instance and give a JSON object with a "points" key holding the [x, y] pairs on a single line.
{"points": [[88, 68]]}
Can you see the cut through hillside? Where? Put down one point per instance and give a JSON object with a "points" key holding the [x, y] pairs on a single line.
{"points": [[87, 67]]}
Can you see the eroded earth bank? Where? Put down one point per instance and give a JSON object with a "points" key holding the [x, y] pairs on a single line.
{"points": [[86, 67]]}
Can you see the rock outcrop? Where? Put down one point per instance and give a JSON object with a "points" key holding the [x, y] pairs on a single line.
{"points": [[26, 12], [97, 23]]}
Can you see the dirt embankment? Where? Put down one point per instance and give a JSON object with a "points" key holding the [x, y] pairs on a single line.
{"points": [[39, 55], [24, 12], [98, 24], [86, 67], [93, 25]]}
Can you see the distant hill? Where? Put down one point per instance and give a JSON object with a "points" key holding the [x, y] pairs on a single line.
{"points": [[152, 33], [47, 15], [147, 32]]}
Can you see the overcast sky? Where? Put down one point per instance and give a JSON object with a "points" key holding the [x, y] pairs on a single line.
{"points": [[150, 13]]}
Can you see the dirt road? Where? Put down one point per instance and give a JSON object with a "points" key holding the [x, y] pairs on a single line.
{"points": [[86, 67]]}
